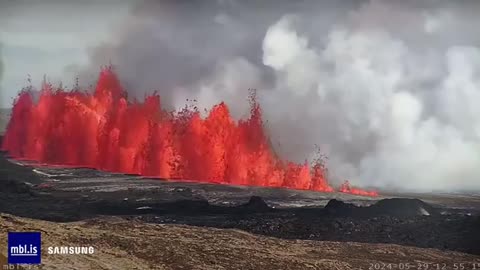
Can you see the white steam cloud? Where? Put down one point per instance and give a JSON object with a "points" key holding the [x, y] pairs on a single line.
{"points": [[367, 82], [1, 72], [389, 90]]}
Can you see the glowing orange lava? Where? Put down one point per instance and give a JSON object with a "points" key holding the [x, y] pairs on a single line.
{"points": [[105, 131], [347, 188]]}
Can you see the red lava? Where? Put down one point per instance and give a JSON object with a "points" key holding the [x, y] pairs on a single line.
{"points": [[105, 131]]}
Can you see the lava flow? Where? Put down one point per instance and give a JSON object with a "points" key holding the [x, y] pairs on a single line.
{"points": [[104, 131], [347, 188]]}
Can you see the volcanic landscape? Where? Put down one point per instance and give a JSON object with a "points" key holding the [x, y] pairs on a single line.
{"points": [[52, 170]]}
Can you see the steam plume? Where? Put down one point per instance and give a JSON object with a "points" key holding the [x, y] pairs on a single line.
{"points": [[1, 73], [389, 90]]}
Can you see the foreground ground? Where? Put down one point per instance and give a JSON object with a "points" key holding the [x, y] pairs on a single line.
{"points": [[133, 244]]}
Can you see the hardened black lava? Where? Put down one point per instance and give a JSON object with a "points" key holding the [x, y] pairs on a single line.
{"points": [[410, 222]]}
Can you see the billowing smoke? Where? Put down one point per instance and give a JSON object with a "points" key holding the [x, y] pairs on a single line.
{"points": [[389, 90], [1, 73]]}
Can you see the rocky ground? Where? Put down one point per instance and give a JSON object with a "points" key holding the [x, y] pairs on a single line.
{"points": [[134, 244], [398, 221]]}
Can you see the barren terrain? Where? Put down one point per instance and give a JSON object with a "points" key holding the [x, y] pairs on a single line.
{"points": [[133, 244]]}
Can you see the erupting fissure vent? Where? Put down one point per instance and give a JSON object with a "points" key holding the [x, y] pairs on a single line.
{"points": [[104, 131]]}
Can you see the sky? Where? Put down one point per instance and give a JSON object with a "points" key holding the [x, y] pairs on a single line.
{"points": [[49, 38], [388, 90]]}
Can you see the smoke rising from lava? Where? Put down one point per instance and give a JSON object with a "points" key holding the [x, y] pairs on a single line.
{"points": [[1, 72], [389, 90]]}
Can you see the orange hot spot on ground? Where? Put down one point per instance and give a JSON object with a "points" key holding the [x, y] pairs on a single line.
{"points": [[347, 188], [104, 131]]}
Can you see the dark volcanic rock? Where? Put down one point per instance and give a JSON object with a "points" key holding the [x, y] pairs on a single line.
{"points": [[256, 204], [14, 187], [399, 221], [184, 192], [397, 207], [335, 206], [188, 206], [402, 207], [13, 172]]}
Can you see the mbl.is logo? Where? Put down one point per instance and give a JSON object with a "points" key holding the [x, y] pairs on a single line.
{"points": [[24, 248]]}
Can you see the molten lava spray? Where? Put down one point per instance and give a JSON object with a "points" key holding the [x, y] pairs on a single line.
{"points": [[106, 132]]}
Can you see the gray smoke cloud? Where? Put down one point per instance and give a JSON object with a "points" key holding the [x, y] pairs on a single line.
{"points": [[390, 90], [2, 67]]}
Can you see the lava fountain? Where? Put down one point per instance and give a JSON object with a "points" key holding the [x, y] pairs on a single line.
{"points": [[106, 132]]}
